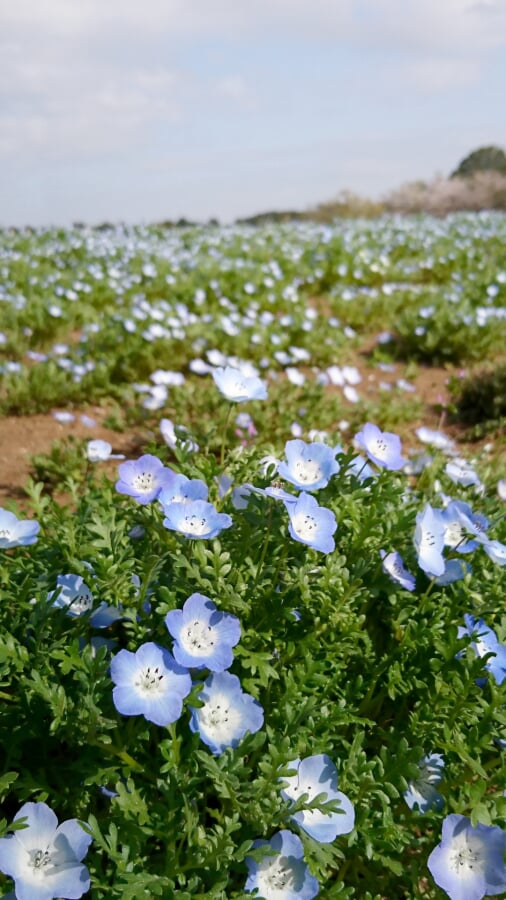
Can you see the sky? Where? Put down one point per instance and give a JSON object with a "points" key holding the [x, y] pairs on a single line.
{"points": [[148, 110]]}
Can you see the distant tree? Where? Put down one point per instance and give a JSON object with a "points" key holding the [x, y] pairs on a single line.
{"points": [[482, 160]]}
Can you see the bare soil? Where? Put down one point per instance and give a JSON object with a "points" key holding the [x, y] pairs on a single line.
{"points": [[22, 437]]}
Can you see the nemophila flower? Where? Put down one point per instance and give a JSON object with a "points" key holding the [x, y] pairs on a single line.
{"points": [[73, 594], [44, 858], [149, 683], [308, 466], [283, 876], [105, 615], [486, 642], [360, 468], [429, 540], [274, 491], [227, 714], [496, 551], [501, 488], [203, 636], [421, 792], [468, 863], [16, 532], [435, 438], [237, 387], [393, 565], [455, 570], [175, 436], [318, 775], [311, 523], [195, 519], [460, 522], [101, 451], [461, 472], [382, 447], [143, 478], [183, 490]]}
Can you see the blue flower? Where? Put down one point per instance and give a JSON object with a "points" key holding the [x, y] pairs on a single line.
{"points": [[308, 466], [382, 447], [16, 532], [485, 642], [421, 792], [455, 570], [284, 876], [183, 489], [227, 713], [143, 478], [175, 436], [101, 451], [311, 523], [149, 683], [468, 863], [237, 387], [44, 858], [318, 775], [195, 519], [461, 472], [429, 540], [73, 594], [460, 522], [203, 636], [496, 551], [393, 565]]}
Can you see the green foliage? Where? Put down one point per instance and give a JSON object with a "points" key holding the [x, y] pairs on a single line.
{"points": [[342, 660], [482, 160], [481, 396]]}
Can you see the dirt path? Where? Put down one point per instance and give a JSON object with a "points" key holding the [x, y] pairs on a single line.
{"points": [[22, 437]]}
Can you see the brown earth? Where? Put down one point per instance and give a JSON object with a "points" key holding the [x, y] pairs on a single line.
{"points": [[22, 437]]}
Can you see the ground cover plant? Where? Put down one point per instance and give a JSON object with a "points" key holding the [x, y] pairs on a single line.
{"points": [[263, 652]]}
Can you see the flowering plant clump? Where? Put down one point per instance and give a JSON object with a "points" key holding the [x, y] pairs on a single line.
{"points": [[226, 714], [318, 775], [143, 478], [259, 664], [238, 387], [311, 523], [16, 532], [308, 466], [44, 858], [149, 683], [469, 861], [283, 875], [382, 447], [203, 637]]}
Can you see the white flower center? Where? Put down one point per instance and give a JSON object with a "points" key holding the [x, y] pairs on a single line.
{"points": [[150, 681], [195, 525], [379, 448], [276, 878], [5, 533], [81, 603], [40, 858], [455, 534], [305, 526], [219, 719], [467, 860], [197, 638], [143, 482], [307, 471]]}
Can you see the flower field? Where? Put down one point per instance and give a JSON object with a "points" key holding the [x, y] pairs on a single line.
{"points": [[253, 606]]}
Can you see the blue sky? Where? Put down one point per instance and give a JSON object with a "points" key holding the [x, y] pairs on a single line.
{"points": [[122, 110]]}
